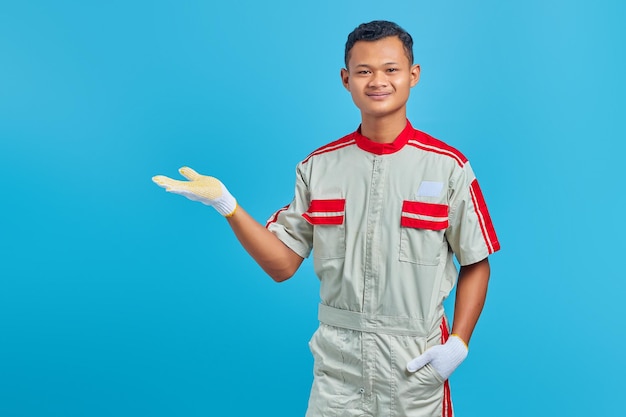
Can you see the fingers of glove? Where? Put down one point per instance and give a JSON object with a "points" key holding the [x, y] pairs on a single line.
{"points": [[189, 173], [165, 182], [208, 188], [195, 182], [419, 362]]}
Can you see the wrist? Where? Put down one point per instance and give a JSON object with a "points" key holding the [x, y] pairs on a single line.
{"points": [[232, 213], [226, 205], [456, 336]]}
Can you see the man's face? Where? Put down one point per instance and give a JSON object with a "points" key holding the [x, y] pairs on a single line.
{"points": [[379, 77]]}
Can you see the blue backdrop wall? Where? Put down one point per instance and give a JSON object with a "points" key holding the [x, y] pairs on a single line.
{"points": [[117, 299]]}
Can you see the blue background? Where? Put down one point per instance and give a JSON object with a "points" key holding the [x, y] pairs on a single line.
{"points": [[117, 299]]}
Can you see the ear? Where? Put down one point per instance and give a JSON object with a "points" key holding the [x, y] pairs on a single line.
{"points": [[345, 78], [415, 74]]}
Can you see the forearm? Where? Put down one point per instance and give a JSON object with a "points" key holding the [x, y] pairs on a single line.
{"points": [[471, 293], [272, 255], [268, 251]]}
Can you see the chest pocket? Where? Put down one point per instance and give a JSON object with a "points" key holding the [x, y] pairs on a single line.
{"points": [[329, 233], [422, 235]]}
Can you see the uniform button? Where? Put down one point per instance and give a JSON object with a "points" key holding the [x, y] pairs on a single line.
{"points": [[362, 390]]}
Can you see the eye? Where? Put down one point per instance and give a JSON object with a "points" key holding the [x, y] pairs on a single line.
{"points": [[392, 69], [364, 72]]}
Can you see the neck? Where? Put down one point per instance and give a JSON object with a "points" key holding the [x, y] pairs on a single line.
{"points": [[383, 130]]}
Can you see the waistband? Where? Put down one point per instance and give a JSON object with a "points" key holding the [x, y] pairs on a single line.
{"points": [[399, 326]]}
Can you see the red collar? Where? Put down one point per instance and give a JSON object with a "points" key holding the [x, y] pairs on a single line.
{"points": [[384, 148]]}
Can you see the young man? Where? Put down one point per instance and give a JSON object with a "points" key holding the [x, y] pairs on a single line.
{"points": [[384, 210]]}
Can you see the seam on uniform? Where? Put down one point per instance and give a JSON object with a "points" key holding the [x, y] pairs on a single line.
{"points": [[333, 146], [430, 144], [392, 383], [274, 217]]}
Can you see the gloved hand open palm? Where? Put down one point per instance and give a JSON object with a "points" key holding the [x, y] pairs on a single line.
{"points": [[202, 188]]}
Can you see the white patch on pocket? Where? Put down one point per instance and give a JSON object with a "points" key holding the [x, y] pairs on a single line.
{"points": [[429, 189]]}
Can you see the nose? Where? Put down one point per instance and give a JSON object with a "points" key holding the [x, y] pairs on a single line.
{"points": [[379, 79]]}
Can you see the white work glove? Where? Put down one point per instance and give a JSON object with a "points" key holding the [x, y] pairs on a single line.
{"points": [[443, 358], [207, 190]]}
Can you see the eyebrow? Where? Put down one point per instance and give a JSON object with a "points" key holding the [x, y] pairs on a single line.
{"points": [[367, 65]]}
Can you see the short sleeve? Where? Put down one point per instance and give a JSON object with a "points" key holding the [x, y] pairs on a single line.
{"points": [[289, 225], [470, 233]]}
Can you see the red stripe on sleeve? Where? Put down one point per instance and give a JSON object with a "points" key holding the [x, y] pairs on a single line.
{"points": [[486, 226]]}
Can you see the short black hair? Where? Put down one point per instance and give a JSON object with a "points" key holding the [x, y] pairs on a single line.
{"points": [[379, 29]]}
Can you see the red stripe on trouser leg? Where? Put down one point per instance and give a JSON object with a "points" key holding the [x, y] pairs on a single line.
{"points": [[445, 333], [447, 398]]}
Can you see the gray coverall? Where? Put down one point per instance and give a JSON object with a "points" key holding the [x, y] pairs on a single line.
{"points": [[384, 222]]}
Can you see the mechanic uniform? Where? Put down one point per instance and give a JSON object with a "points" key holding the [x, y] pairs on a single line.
{"points": [[384, 222]]}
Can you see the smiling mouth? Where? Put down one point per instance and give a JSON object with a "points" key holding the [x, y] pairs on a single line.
{"points": [[378, 96]]}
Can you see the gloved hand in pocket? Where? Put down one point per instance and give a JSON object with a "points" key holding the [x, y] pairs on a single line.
{"points": [[443, 358]]}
